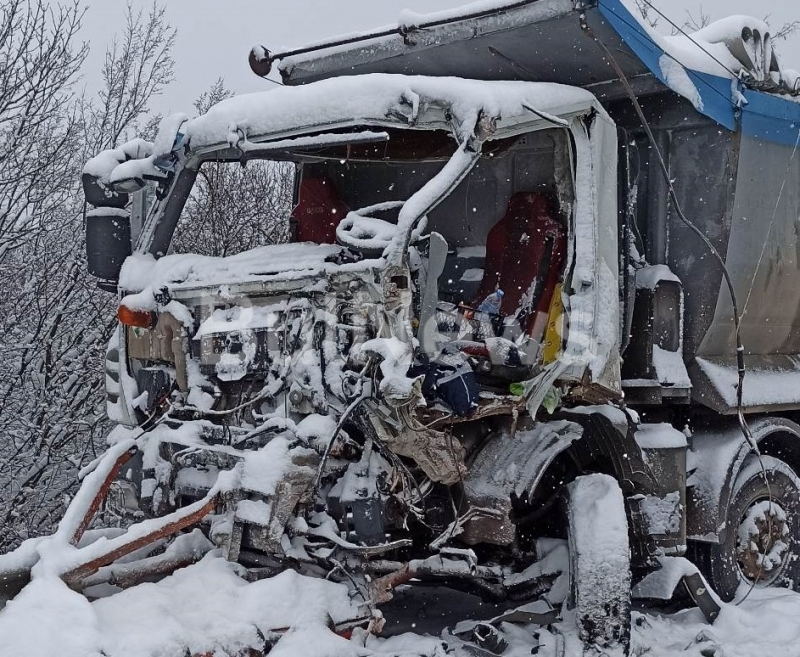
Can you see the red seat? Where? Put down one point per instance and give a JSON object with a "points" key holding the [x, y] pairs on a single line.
{"points": [[318, 212], [525, 254]]}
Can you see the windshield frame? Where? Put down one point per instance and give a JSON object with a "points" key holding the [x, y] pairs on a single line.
{"points": [[159, 226]]}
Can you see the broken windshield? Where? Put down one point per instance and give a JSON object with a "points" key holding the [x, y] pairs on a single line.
{"points": [[233, 208], [497, 207], [238, 205], [487, 261], [517, 192]]}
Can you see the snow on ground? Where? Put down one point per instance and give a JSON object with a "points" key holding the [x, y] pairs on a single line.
{"points": [[204, 607], [207, 607], [766, 624]]}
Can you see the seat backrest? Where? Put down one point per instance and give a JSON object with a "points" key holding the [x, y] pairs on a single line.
{"points": [[318, 211], [524, 254]]}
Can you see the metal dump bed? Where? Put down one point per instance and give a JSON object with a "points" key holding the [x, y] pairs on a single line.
{"points": [[512, 41]]}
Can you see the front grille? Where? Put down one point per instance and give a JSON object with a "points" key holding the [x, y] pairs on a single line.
{"points": [[233, 342]]}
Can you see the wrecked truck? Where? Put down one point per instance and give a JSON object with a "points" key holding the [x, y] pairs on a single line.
{"points": [[534, 335]]}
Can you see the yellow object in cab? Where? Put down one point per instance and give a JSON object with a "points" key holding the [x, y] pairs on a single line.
{"points": [[555, 328]]}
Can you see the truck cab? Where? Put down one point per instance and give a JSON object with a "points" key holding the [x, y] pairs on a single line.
{"points": [[413, 218], [508, 296]]}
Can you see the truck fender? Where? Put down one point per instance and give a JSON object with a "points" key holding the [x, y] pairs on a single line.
{"points": [[509, 464], [715, 460], [512, 466]]}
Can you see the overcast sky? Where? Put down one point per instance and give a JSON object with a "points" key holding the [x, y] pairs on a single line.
{"points": [[214, 37]]}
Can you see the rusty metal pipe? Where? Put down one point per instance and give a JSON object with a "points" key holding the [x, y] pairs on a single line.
{"points": [[167, 526]]}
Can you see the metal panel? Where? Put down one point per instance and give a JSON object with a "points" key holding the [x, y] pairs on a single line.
{"points": [[763, 255], [763, 259], [519, 43], [771, 118], [703, 165], [771, 383]]}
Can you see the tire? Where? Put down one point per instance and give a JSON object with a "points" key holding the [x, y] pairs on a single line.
{"points": [[600, 576], [730, 563]]}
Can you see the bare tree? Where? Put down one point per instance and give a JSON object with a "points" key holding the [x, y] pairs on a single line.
{"points": [[55, 323], [235, 207], [650, 17], [137, 66], [694, 23], [785, 30], [39, 60]]}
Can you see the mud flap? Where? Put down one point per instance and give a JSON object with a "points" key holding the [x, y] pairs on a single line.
{"points": [[700, 593], [600, 576], [674, 574]]}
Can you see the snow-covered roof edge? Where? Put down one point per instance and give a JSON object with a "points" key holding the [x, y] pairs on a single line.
{"points": [[383, 100], [375, 99], [702, 68]]}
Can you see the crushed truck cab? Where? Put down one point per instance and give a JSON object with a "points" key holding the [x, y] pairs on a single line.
{"points": [[375, 321]]}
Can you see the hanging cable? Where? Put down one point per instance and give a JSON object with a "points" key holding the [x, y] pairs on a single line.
{"points": [[741, 370], [326, 455], [680, 30]]}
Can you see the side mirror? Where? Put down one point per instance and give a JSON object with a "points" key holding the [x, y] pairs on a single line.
{"points": [[108, 243], [99, 194]]}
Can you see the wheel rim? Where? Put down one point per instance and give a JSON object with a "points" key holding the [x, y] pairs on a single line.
{"points": [[762, 546]]}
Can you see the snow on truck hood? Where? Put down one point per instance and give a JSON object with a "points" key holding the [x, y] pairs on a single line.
{"points": [[375, 99], [141, 271]]}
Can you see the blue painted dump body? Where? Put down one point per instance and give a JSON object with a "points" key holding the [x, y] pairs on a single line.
{"points": [[761, 115]]}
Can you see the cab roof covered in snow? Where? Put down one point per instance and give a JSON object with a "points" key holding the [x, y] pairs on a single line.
{"points": [[382, 100], [291, 119]]}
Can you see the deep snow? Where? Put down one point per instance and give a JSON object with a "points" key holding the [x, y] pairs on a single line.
{"points": [[207, 607]]}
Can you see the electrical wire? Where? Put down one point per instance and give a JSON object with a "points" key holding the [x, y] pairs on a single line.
{"points": [[741, 370], [695, 78], [684, 33], [326, 455]]}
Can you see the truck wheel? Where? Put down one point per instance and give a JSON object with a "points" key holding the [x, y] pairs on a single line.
{"points": [[600, 576], [762, 541]]}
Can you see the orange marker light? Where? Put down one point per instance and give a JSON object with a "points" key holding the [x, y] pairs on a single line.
{"points": [[141, 318]]}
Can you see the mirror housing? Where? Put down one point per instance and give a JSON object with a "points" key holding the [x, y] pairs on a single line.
{"points": [[108, 243], [99, 194]]}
